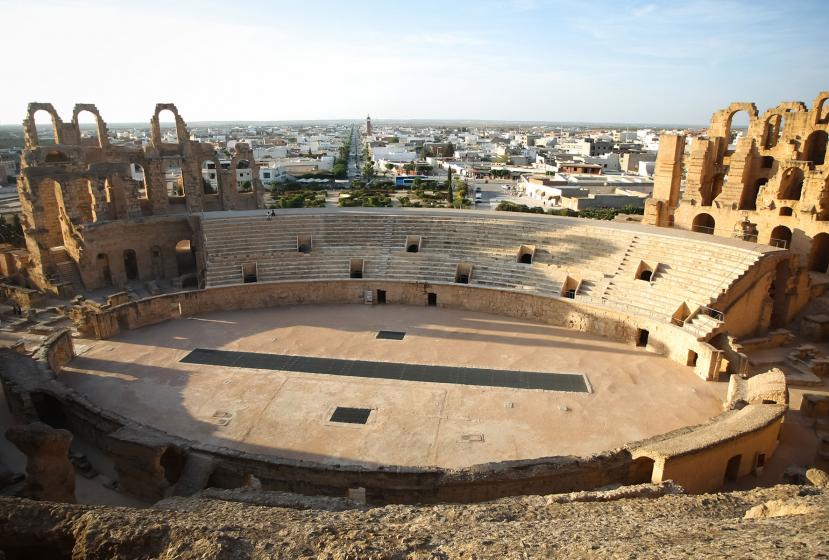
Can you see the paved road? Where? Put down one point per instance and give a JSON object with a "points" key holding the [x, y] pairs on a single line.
{"points": [[354, 155]]}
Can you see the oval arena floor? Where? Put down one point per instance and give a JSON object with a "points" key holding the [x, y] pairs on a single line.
{"points": [[633, 394]]}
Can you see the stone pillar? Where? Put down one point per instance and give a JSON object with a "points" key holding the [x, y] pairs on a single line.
{"points": [[659, 209], [50, 474]]}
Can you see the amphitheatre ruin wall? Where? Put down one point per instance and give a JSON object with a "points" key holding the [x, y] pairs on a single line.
{"points": [[99, 216]]}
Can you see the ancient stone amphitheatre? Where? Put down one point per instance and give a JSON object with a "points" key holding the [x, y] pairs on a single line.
{"points": [[365, 382]]}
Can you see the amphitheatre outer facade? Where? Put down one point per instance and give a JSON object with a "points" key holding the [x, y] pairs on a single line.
{"points": [[95, 223]]}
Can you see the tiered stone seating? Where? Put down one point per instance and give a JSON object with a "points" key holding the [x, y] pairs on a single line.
{"points": [[603, 257]]}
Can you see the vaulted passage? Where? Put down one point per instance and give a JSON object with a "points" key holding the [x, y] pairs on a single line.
{"points": [[571, 382], [704, 223]]}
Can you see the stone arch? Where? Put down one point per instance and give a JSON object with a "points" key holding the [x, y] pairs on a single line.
{"points": [[748, 198], [814, 149], [30, 126], [101, 133], [721, 121], [160, 120], [55, 156], [781, 236], [155, 124], [704, 223], [821, 108], [791, 184], [819, 253]]}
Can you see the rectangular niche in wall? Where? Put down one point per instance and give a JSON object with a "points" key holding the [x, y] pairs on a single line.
{"points": [[249, 273], [303, 243], [357, 267], [526, 254], [463, 273], [413, 243], [570, 287]]}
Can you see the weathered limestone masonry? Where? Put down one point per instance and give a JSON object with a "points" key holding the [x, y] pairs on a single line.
{"points": [[772, 187], [97, 214]]}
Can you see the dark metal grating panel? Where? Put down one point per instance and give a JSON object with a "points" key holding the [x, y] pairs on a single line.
{"points": [[348, 415], [391, 335], [482, 377]]}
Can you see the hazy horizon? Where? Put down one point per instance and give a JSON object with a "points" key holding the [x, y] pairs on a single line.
{"points": [[488, 60]]}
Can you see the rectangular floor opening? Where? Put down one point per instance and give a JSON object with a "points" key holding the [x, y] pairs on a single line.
{"points": [[482, 377], [348, 415], [391, 335]]}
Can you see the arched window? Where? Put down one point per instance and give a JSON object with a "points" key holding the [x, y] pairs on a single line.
{"points": [[46, 127], [791, 185], [704, 223], [167, 126], [823, 111], [814, 150], [88, 128], [737, 125], [781, 236]]}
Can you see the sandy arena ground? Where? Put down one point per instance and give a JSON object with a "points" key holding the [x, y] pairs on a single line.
{"points": [[636, 394]]}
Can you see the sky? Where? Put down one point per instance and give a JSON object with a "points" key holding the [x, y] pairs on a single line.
{"points": [[672, 62]]}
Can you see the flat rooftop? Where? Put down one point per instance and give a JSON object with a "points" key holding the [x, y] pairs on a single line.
{"points": [[634, 393]]}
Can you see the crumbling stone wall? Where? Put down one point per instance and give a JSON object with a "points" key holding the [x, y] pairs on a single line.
{"points": [[769, 185], [82, 209], [50, 474], [774, 176]]}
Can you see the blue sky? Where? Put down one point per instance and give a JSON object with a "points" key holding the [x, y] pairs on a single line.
{"points": [[658, 62]]}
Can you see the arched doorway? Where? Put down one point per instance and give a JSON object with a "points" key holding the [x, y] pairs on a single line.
{"points": [[185, 258], [819, 254], [732, 469], [704, 223], [130, 264], [103, 267], [791, 185], [814, 150], [781, 236]]}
